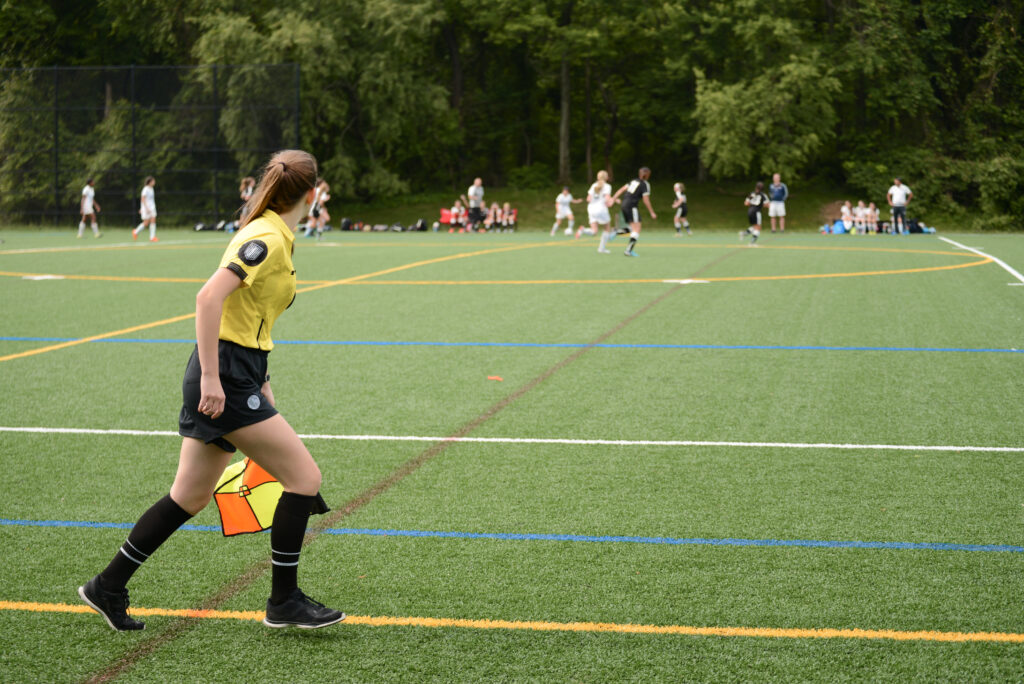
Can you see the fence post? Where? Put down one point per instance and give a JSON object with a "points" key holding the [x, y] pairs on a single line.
{"points": [[135, 162], [216, 150], [56, 153], [298, 77]]}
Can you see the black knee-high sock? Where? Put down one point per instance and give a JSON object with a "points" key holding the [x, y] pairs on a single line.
{"points": [[153, 528], [632, 244], [286, 535]]}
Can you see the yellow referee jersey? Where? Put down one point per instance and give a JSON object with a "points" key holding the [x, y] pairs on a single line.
{"points": [[261, 256]]}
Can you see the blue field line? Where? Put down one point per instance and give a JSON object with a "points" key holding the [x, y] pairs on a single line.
{"points": [[509, 536], [541, 345]]}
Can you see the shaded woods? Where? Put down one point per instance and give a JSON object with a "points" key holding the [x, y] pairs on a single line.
{"points": [[410, 95]]}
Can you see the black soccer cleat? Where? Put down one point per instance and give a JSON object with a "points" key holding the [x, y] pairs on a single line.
{"points": [[112, 605], [298, 610]]}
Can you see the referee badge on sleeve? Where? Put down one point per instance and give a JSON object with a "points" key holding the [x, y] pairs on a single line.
{"points": [[253, 252]]}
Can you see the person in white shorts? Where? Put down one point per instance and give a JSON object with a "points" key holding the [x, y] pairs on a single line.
{"points": [[899, 197], [563, 210], [680, 221], [597, 206], [88, 208], [147, 210], [778, 193]]}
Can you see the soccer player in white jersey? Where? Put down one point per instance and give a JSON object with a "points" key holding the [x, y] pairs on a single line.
{"points": [[563, 210], [88, 209], [147, 210], [314, 209], [598, 198], [679, 205]]}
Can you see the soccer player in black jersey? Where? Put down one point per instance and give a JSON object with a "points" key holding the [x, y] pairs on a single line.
{"points": [[754, 202], [632, 193]]}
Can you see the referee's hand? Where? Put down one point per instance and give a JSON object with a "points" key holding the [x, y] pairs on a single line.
{"points": [[211, 397]]}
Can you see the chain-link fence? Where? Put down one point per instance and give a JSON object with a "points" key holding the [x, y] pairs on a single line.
{"points": [[197, 129]]}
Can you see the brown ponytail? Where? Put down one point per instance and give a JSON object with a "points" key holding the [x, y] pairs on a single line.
{"points": [[288, 176]]}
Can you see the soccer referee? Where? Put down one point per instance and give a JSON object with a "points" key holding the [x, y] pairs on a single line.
{"points": [[228, 405]]}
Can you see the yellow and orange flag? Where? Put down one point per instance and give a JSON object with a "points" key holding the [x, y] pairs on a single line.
{"points": [[246, 496]]}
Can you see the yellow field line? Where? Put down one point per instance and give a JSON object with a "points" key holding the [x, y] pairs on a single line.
{"points": [[115, 333], [415, 264], [124, 279], [330, 283], [545, 626]]}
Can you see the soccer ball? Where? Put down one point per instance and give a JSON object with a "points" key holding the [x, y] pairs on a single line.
{"points": [[568, 231]]}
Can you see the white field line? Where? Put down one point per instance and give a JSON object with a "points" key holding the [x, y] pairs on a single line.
{"points": [[999, 261], [539, 440]]}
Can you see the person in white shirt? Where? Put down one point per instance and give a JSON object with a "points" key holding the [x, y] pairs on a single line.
{"points": [[563, 210], [474, 199], [860, 221], [458, 217], [679, 205], [147, 210], [598, 197], [899, 197], [872, 217], [88, 208], [846, 214]]}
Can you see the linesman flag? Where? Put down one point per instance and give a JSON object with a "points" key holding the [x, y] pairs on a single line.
{"points": [[246, 496]]}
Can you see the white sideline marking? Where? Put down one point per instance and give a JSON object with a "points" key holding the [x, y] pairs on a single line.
{"points": [[999, 261], [688, 282], [43, 277], [539, 440]]}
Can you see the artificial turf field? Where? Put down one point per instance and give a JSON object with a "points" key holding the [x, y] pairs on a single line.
{"points": [[544, 463]]}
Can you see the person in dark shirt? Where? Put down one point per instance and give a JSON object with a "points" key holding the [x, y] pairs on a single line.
{"points": [[631, 193], [754, 202]]}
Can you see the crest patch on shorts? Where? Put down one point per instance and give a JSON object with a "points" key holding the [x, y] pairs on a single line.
{"points": [[253, 401], [253, 252]]}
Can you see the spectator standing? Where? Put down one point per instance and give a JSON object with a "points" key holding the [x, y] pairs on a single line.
{"points": [[778, 193], [88, 208], [899, 197], [474, 199]]}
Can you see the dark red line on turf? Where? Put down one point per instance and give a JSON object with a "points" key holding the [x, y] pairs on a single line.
{"points": [[180, 626]]}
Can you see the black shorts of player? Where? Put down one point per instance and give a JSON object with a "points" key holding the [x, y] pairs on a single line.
{"points": [[631, 214], [899, 211], [476, 215], [316, 213], [754, 216], [242, 373], [681, 211]]}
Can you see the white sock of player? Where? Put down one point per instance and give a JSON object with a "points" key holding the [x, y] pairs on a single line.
{"points": [[81, 228], [138, 228], [572, 223], [152, 230], [95, 229], [604, 242]]}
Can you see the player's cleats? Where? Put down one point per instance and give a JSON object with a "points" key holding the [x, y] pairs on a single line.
{"points": [[630, 253], [96, 235], [298, 610], [154, 239], [112, 605], [135, 236], [604, 250]]}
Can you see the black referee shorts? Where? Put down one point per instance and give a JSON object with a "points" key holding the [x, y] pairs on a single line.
{"points": [[242, 373]]}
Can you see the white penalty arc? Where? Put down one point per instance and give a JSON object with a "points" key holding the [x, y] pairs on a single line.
{"points": [[544, 440], [1009, 269]]}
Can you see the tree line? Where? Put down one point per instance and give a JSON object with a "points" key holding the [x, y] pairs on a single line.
{"points": [[404, 96]]}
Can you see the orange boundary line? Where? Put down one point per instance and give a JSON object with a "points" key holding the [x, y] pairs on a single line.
{"points": [[544, 626], [319, 286]]}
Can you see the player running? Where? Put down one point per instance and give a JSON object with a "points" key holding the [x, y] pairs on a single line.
{"points": [[147, 210], [598, 198], [563, 210], [632, 193], [88, 208], [679, 205], [754, 202]]}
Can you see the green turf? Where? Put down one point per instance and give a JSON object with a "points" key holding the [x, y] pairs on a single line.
{"points": [[497, 290]]}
